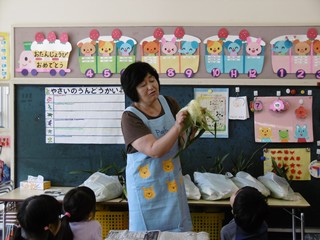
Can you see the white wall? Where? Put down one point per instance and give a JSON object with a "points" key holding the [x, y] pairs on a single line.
{"points": [[163, 12]]}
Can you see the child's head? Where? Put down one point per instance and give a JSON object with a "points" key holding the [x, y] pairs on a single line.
{"points": [[39, 216], [249, 208], [79, 204]]}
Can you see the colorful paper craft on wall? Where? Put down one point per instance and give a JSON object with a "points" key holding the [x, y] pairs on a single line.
{"points": [[234, 54], [283, 119], [105, 55], [299, 54], [171, 53], [295, 160], [216, 100], [4, 56], [45, 55]]}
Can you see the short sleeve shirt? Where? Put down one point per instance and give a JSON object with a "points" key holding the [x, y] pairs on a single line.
{"points": [[134, 128]]}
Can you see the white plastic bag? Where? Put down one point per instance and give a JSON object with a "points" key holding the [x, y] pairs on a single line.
{"points": [[214, 186], [105, 187], [243, 179], [278, 186], [192, 190]]}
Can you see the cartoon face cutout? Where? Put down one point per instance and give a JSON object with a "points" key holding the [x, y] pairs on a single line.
{"points": [[144, 171], [233, 47], [125, 48], [253, 48], [284, 135], [316, 47], [301, 133], [151, 48], [214, 47], [167, 165], [172, 186], [282, 47], [87, 48], [106, 47], [148, 193], [265, 134], [169, 48], [189, 47], [301, 48], [26, 60]]}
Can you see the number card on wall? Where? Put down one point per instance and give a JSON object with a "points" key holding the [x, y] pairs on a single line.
{"points": [[215, 100], [88, 115]]}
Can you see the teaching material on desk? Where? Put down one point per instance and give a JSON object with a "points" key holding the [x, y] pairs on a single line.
{"points": [[35, 183], [84, 115], [105, 187], [243, 179], [192, 190], [156, 235], [216, 101], [278, 186], [284, 119], [295, 160], [4, 56], [214, 186]]}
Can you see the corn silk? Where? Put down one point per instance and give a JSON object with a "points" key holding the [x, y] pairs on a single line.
{"points": [[195, 124]]}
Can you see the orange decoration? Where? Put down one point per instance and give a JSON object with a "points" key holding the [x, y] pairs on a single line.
{"points": [[301, 112]]}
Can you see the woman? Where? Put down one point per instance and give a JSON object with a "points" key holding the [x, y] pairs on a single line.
{"points": [[151, 127]]}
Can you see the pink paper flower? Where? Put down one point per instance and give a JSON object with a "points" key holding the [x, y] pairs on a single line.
{"points": [[223, 33], [116, 34], [244, 34], [179, 32], [39, 37], [94, 34], [51, 37], [158, 33], [64, 38], [312, 33]]}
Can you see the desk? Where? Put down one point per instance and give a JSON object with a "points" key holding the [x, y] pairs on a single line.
{"points": [[19, 195]]}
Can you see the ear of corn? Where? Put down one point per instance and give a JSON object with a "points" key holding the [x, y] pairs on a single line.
{"points": [[196, 121]]}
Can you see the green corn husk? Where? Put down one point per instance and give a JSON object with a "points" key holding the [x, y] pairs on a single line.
{"points": [[196, 120]]}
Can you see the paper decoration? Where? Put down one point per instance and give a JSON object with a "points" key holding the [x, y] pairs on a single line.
{"points": [[295, 160], [172, 53], [4, 56], [314, 169], [280, 123], [299, 54], [216, 101], [45, 55], [234, 54], [105, 55], [238, 108]]}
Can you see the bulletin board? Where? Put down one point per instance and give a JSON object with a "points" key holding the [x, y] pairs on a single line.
{"points": [[202, 62]]}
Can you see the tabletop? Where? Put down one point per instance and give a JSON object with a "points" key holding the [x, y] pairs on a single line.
{"points": [[19, 195]]}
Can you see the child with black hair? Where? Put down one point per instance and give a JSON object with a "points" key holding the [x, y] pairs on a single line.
{"points": [[79, 205], [39, 218], [250, 209]]}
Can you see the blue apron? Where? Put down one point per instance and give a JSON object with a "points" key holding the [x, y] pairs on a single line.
{"points": [[156, 193]]}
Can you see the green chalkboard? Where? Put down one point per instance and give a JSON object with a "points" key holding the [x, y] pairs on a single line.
{"points": [[55, 161]]}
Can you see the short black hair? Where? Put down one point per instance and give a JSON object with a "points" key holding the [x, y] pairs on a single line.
{"points": [[133, 75], [250, 208]]}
